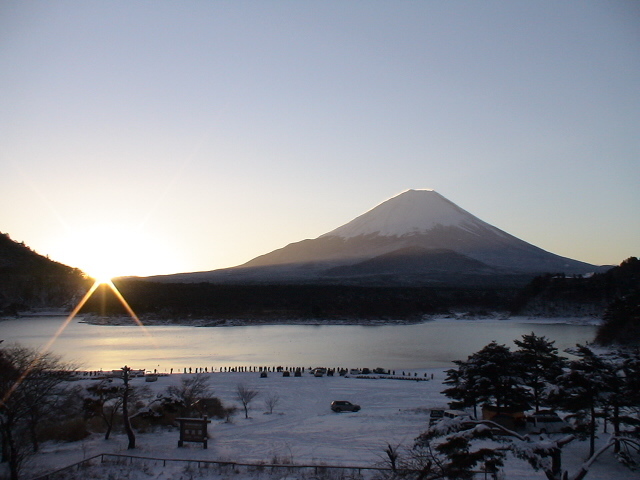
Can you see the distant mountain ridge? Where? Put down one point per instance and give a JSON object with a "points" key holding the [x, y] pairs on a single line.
{"points": [[415, 238]]}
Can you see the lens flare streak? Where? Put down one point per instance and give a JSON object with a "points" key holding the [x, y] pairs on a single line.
{"points": [[64, 325], [130, 311]]}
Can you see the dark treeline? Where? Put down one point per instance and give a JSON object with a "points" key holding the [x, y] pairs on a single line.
{"points": [[206, 300], [547, 294], [599, 289], [613, 295]]}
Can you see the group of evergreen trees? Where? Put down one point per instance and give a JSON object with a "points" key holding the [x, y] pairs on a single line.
{"points": [[497, 376], [594, 387]]}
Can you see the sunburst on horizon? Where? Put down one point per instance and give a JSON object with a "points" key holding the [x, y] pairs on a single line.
{"points": [[106, 250]]}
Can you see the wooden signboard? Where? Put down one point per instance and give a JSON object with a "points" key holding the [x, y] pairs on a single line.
{"points": [[193, 430]]}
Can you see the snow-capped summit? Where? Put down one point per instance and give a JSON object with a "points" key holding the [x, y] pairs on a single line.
{"points": [[411, 212], [415, 238]]}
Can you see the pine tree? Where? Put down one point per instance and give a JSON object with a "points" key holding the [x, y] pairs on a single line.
{"points": [[462, 388], [456, 456], [498, 380], [541, 365], [489, 376], [621, 377], [584, 389]]}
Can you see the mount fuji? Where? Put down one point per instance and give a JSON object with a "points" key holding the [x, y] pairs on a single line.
{"points": [[415, 238]]}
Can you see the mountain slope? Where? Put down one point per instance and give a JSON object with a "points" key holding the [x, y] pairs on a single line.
{"points": [[418, 232], [412, 260], [29, 280], [422, 218]]}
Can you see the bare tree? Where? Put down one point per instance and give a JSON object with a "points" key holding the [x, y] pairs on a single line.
{"points": [[271, 401], [104, 402], [392, 453], [230, 412], [245, 395], [30, 384], [190, 391]]}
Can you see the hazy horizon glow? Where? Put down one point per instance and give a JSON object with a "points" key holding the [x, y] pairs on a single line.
{"points": [[160, 137]]}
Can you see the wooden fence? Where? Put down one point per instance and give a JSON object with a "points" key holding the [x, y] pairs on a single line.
{"points": [[349, 472]]}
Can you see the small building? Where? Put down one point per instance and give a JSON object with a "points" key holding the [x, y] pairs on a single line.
{"points": [[509, 417]]}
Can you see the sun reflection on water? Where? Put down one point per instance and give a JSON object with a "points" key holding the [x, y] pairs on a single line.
{"points": [[97, 283]]}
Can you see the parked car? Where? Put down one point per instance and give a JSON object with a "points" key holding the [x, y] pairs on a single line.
{"points": [[344, 406], [455, 414], [546, 422]]}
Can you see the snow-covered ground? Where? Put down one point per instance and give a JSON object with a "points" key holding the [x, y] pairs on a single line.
{"points": [[302, 430]]}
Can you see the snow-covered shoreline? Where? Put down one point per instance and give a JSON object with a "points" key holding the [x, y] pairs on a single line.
{"points": [[448, 318]]}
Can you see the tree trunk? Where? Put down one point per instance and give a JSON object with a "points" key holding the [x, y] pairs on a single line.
{"points": [[14, 456], [556, 462], [34, 437], [12, 453], [125, 409], [107, 434], [5, 446], [616, 428], [592, 432]]}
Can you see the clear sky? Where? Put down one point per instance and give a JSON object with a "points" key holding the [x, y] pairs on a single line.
{"points": [[162, 136]]}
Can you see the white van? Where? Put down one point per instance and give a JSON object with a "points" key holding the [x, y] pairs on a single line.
{"points": [[546, 422]]}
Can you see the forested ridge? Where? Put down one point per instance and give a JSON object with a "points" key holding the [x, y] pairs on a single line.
{"points": [[613, 295], [555, 292], [29, 280]]}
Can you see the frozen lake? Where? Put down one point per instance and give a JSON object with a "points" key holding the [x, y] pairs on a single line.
{"points": [[432, 344]]}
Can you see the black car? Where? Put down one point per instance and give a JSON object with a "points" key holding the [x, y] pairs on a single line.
{"points": [[344, 406]]}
